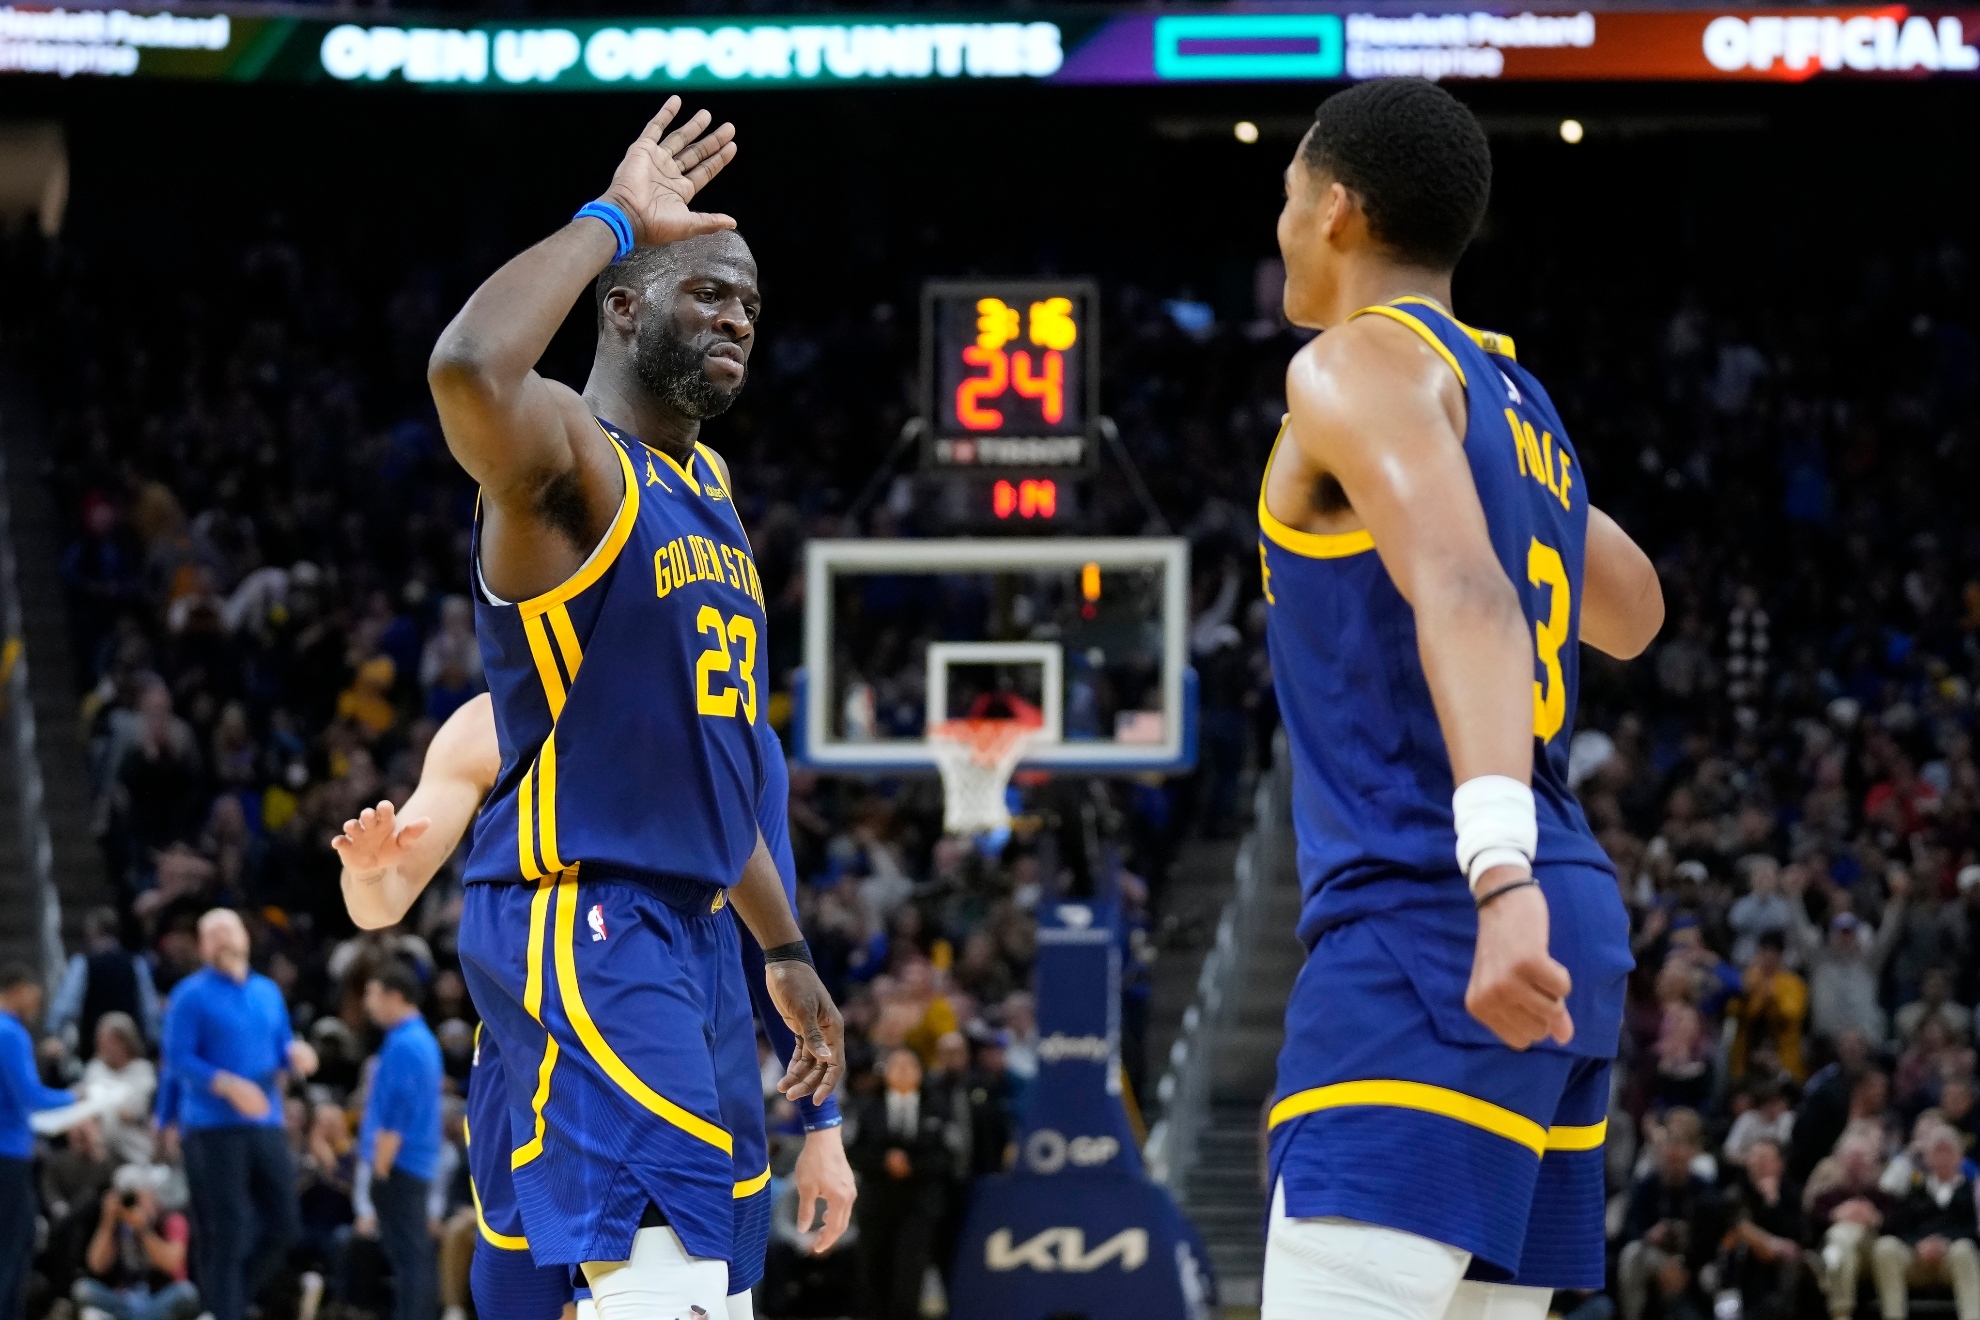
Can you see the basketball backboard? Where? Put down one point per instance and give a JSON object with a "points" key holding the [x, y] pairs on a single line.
{"points": [[1084, 637]]}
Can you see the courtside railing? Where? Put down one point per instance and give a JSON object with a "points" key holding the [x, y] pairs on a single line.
{"points": [[1185, 1088], [38, 852]]}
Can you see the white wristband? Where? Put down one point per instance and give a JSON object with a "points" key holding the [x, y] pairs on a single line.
{"points": [[1495, 825]]}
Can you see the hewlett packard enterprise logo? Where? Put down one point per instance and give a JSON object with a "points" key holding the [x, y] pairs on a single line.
{"points": [[1248, 47]]}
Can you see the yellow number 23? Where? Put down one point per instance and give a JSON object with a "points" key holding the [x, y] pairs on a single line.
{"points": [[1545, 569], [741, 629]]}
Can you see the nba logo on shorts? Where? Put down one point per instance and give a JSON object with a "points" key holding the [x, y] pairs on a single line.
{"points": [[596, 920]]}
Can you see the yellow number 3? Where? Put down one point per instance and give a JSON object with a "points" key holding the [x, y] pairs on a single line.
{"points": [[1545, 569], [741, 629]]}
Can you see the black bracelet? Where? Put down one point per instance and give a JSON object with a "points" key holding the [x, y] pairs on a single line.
{"points": [[795, 951], [1503, 889]]}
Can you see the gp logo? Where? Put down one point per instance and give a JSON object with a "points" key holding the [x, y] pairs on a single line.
{"points": [[1047, 1151]]}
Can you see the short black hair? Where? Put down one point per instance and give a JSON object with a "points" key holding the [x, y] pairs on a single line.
{"points": [[395, 976], [1417, 159], [16, 974]]}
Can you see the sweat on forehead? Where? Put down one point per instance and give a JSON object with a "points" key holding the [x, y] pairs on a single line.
{"points": [[645, 266]]}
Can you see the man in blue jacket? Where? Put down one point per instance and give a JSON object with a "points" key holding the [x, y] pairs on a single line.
{"points": [[400, 1136], [228, 1045], [21, 1094]]}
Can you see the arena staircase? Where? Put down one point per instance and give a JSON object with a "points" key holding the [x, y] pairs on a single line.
{"points": [[50, 867], [1208, 1148]]}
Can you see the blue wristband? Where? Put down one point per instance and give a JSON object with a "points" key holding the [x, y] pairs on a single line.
{"points": [[616, 220]]}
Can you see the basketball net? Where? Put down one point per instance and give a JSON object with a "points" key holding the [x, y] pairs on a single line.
{"points": [[976, 758]]}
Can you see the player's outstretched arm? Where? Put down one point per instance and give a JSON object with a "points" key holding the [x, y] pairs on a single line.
{"points": [[389, 855], [1372, 406], [801, 998], [525, 438], [1622, 602]]}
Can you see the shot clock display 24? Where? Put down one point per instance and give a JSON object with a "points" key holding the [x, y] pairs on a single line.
{"points": [[1009, 374]]}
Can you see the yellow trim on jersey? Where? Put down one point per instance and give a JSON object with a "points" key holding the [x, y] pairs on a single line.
{"points": [[1311, 545], [567, 641], [1400, 317], [751, 1186], [684, 473], [599, 1048], [546, 803], [546, 664], [539, 909], [500, 1241], [608, 549], [1419, 1096], [1489, 340], [714, 469], [1590, 1137], [526, 826]]}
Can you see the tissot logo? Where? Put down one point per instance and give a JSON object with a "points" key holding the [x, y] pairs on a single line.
{"points": [[1063, 1251]]}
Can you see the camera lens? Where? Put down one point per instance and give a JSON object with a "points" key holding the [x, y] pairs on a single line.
{"points": [[129, 1199]]}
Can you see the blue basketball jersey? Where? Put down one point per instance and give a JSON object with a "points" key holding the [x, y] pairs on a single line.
{"points": [[626, 699], [1372, 778]]}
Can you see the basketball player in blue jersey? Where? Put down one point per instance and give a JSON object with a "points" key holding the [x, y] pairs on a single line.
{"points": [[1430, 563], [390, 855], [621, 623]]}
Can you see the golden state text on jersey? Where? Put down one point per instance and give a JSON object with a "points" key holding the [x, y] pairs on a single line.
{"points": [[626, 699]]}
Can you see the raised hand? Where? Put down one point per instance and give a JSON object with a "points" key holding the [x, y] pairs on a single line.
{"points": [[663, 171], [374, 841], [1517, 989], [819, 1059]]}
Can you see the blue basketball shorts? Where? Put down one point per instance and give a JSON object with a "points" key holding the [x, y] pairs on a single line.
{"points": [[739, 1078], [506, 1281], [609, 1003], [1395, 1107]]}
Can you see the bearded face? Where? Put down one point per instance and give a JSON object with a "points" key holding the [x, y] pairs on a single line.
{"points": [[676, 371]]}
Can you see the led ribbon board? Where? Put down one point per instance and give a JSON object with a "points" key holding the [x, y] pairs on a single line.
{"points": [[248, 43]]}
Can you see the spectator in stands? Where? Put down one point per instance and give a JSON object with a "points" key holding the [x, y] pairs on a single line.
{"points": [[1762, 1253], [1934, 1004], [1930, 1235], [21, 1094], [1846, 1218], [1657, 1225], [400, 1137], [1770, 1009], [104, 977], [1761, 909], [903, 1157], [120, 1066], [136, 1260], [228, 1046], [1842, 979]]}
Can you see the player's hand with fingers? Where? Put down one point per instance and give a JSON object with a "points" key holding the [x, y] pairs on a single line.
{"points": [[819, 1059], [375, 840], [824, 1175], [662, 172], [1517, 989]]}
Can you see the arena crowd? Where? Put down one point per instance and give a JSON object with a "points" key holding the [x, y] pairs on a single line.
{"points": [[266, 573]]}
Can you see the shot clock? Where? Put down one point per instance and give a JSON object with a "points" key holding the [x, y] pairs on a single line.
{"points": [[1010, 377]]}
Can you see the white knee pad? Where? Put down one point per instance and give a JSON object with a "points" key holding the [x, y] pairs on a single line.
{"points": [[1498, 1301], [660, 1282], [1341, 1269], [742, 1306]]}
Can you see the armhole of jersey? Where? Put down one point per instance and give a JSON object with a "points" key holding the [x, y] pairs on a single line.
{"points": [[1309, 545], [601, 557]]}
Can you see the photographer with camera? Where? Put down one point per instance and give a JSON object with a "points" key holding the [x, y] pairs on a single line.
{"points": [[136, 1261]]}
